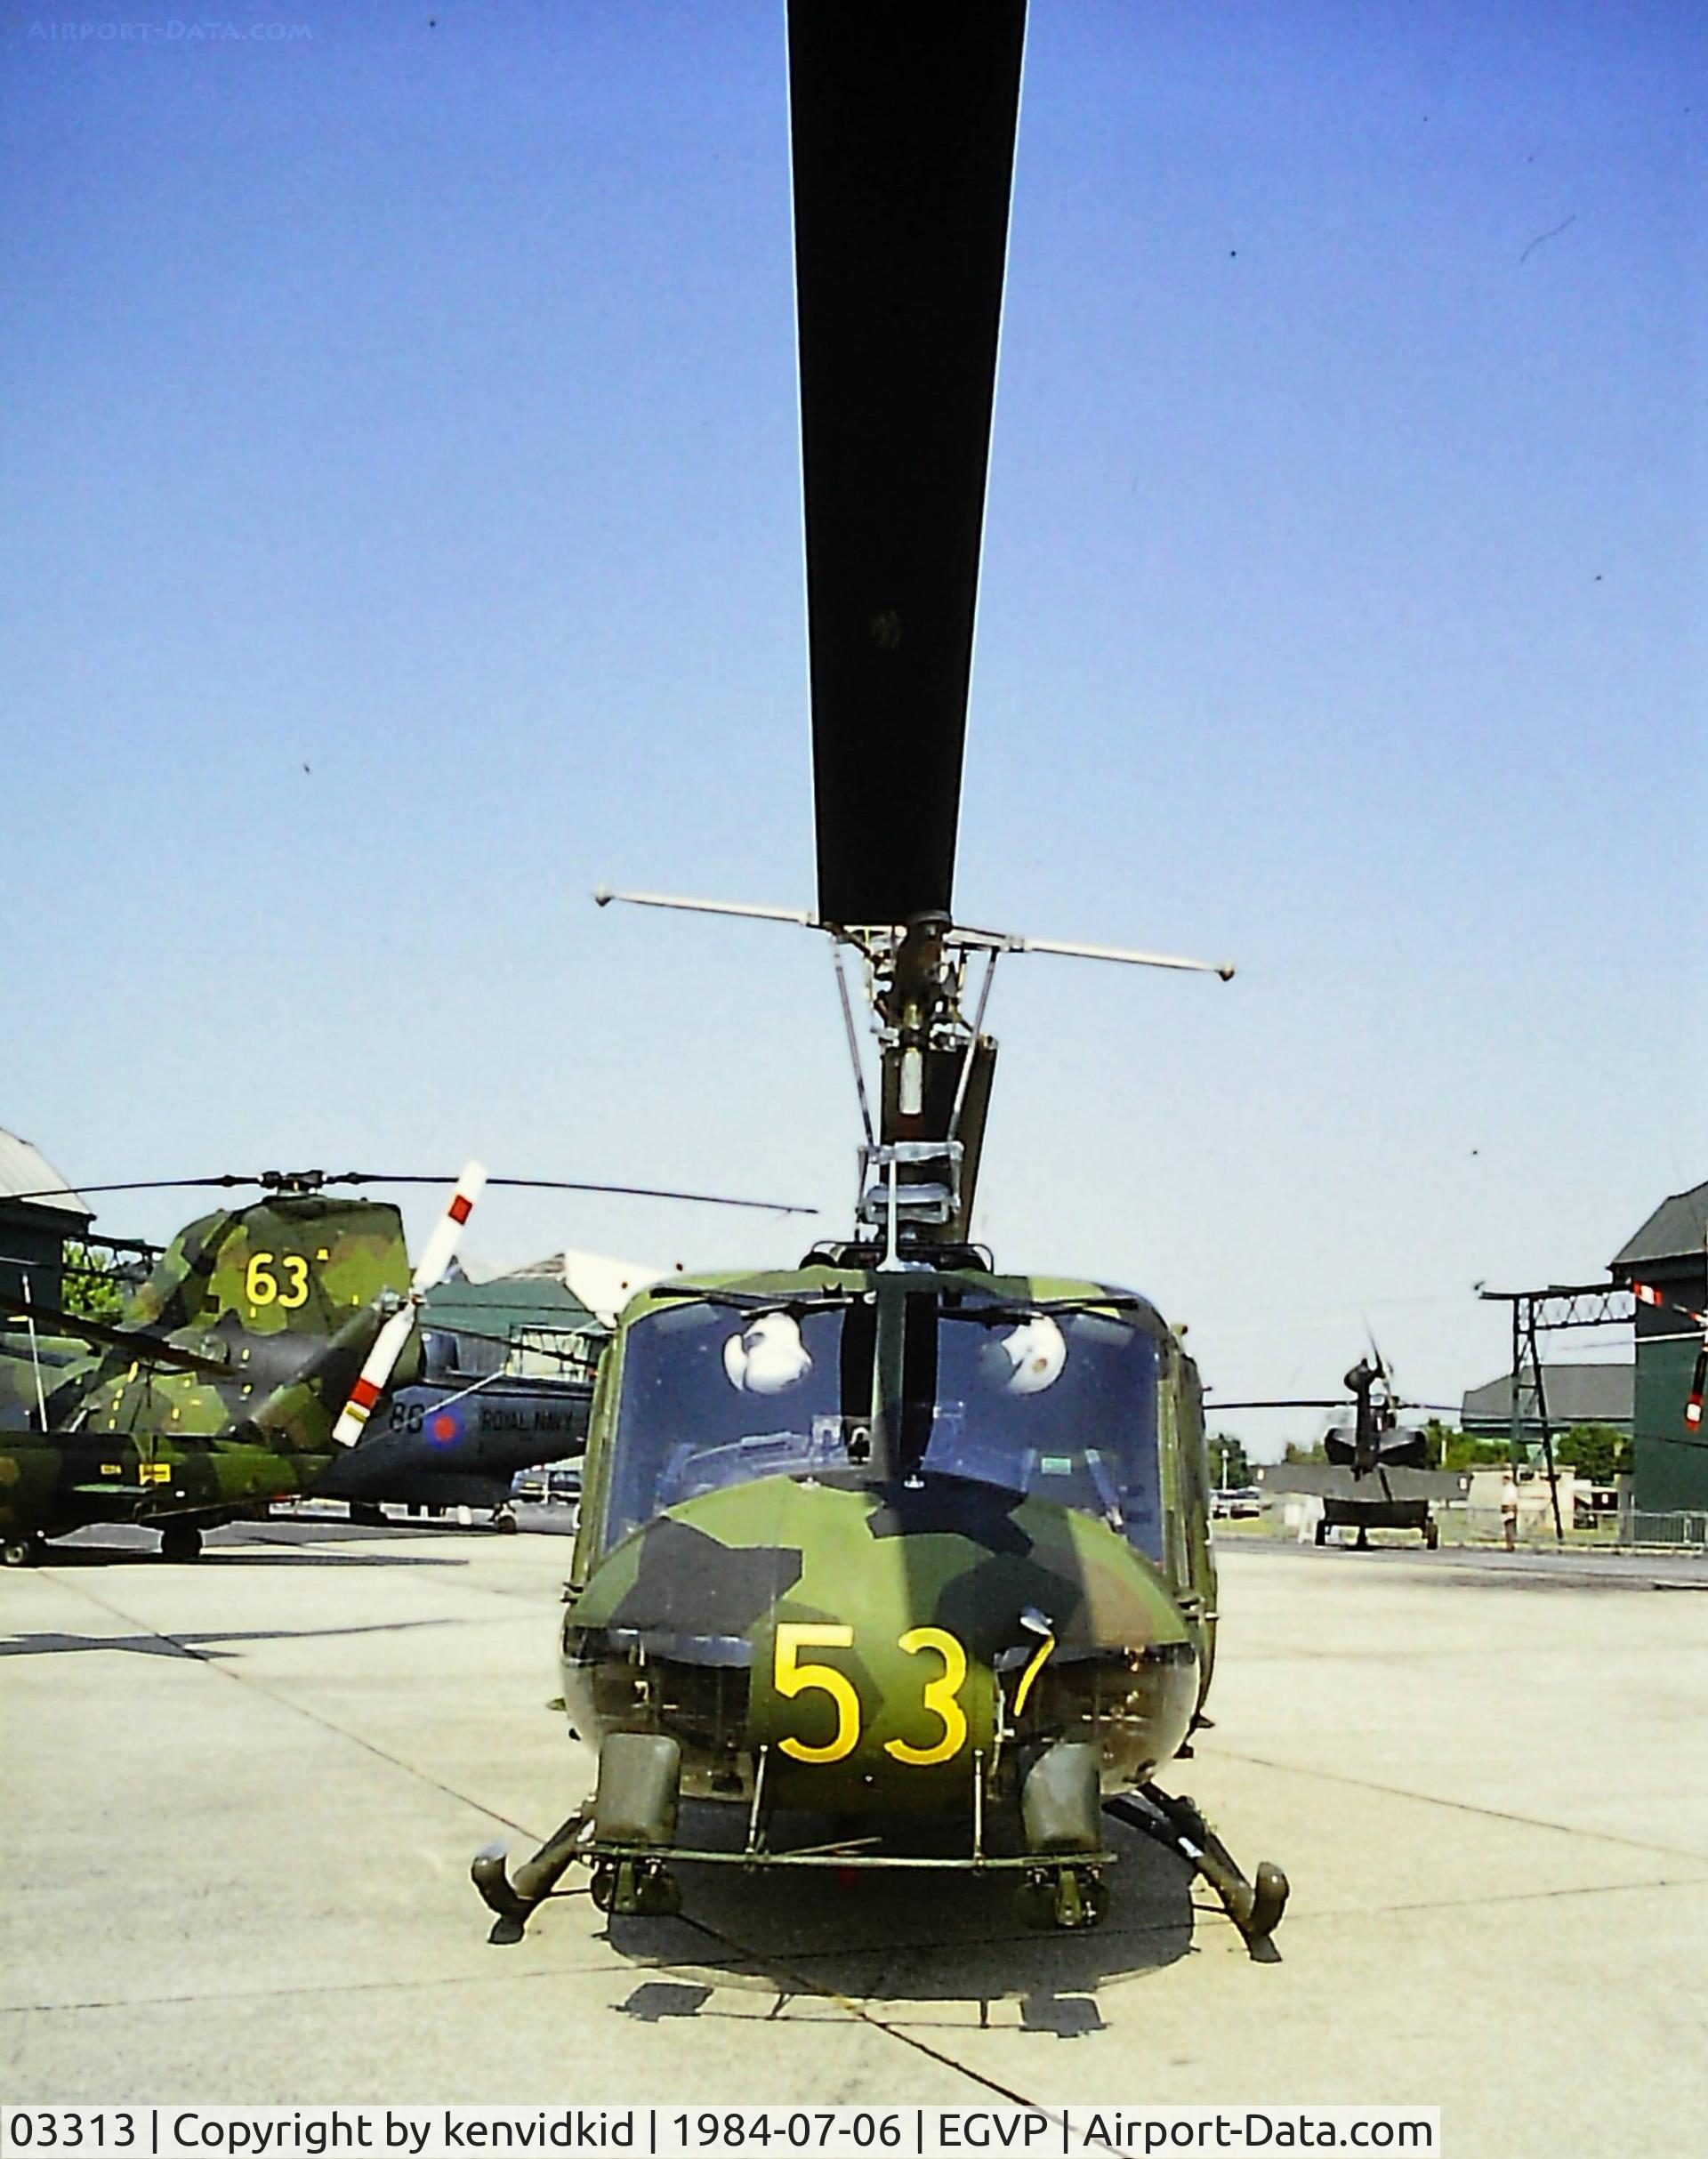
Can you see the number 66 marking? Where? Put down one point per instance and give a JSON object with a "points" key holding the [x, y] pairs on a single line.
{"points": [[790, 1677]]}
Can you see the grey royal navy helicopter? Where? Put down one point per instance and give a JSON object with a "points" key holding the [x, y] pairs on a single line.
{"points": [[901, 1559]]}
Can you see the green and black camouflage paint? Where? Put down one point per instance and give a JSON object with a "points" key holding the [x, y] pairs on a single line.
{"points": [[674, 1627], [280, 1302]]}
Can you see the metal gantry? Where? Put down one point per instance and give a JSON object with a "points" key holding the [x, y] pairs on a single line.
{"points": [[1547, 1311]]}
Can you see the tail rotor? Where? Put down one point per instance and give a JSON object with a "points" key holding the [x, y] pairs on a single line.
{"points": [[388, 1344], [1646, 1294]]}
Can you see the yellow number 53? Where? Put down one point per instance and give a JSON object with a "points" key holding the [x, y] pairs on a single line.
{"points": [[790, 1676]]}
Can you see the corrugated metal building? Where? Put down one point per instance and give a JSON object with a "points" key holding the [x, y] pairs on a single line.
{"points": [[1577, 1394], [33, 1232], [1670, 1253], [520, 1323]]}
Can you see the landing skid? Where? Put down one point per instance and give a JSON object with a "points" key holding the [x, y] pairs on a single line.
{"points": [[1068, 1891], [1255, 1907], [629, 1884]]}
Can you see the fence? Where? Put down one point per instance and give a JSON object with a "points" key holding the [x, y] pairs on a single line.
{"points": [[1632, 1529], [1682, 1529]]}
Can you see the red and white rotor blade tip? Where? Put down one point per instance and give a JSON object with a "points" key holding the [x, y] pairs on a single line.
{"points": [[388, 1343], [442, 1244], [387, 1348]]}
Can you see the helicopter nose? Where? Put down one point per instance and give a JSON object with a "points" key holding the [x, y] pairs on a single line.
{"points": [[881, 1650]]}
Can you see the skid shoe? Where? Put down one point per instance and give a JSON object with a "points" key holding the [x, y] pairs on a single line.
{"points": [[633, 1805], [1254, 1906], [514, 1898]]}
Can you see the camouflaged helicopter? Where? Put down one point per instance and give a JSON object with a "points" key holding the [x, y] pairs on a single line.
{"points": [[269, 1340], [902, 1557], [248, 1360]]}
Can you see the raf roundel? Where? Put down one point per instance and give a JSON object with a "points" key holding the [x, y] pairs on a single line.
{"points": [[445, 1425]]}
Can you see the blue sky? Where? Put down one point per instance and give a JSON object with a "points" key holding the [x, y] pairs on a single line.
{"points": [[417, 405]]}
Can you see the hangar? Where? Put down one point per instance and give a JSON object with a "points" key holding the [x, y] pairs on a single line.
{"points": [[1669, 1253], [1577, 1394], [33, 1232]]}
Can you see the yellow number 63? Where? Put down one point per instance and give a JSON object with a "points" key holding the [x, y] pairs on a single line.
{"points": [[261, 1284]]}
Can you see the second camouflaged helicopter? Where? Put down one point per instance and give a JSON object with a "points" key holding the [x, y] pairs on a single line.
{"points": [[893, 1540], [252, 1356], [259, 1352]]}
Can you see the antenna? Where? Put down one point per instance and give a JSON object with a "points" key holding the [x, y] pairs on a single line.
{"points": [[35, 1349]]}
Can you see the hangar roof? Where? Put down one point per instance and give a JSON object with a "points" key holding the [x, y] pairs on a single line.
{"points": [[23, 1170], [533, 1303], [1578, 1393], [1677, 1229]]}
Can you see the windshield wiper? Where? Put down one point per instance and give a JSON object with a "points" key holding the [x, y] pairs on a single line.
{"points": [[752, 1300], [1017, 1314]]}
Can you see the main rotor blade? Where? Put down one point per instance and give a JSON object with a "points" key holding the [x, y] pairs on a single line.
{"points": [[145, 1184], [623, 1191], [320, 1179], [1341, 1401], [903, 115], [294, 1185], [1290, 1402], [146, 1348]]}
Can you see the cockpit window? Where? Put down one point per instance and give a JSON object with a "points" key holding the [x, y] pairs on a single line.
{"points": [[1060, 1406], [715, 1396]]}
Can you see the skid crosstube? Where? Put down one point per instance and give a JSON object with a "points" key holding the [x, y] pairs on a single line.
{"points": [[634, 1880]]}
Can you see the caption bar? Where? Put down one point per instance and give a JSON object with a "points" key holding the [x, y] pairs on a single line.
{"points": [[679, 2133]]}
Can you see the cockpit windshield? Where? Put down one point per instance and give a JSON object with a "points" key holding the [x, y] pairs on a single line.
{"points": [[714, 1396], [1060, 1405]]}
